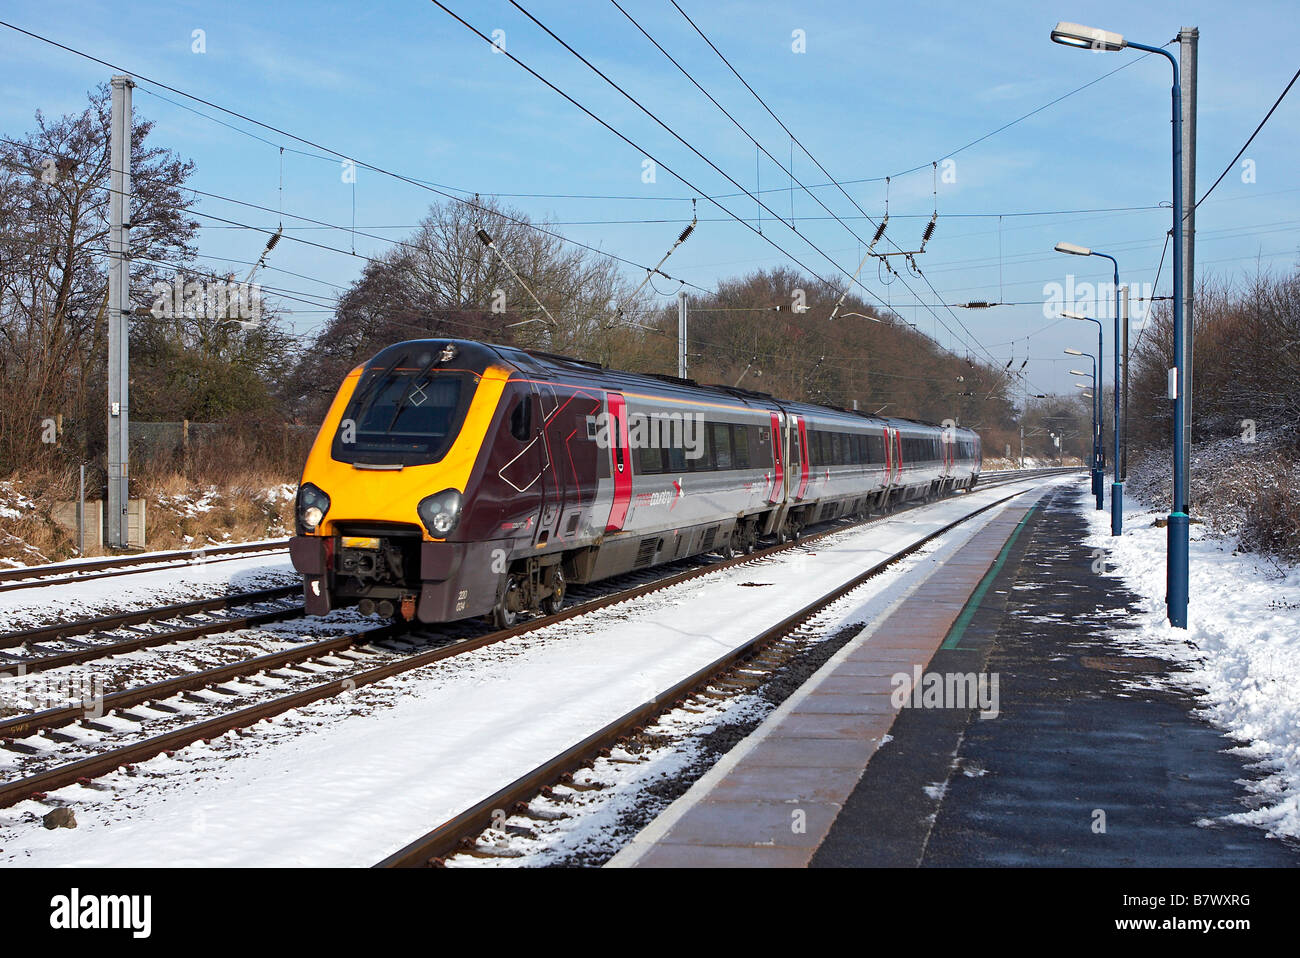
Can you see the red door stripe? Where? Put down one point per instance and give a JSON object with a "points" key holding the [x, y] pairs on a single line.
{"points": [[803, 457], [622, 463]]}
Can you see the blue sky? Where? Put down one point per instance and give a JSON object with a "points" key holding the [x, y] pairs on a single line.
{"points": [[880, 89]]}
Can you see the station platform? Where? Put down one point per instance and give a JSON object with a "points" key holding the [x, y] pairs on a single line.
{"points": [[1034, 744]]}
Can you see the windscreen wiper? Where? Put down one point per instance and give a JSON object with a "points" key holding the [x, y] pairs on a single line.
{"points": [[370, 387], [417, 382]]}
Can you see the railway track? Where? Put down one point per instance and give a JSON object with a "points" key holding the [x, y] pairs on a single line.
{"points": [[60, 644], [73, 573], [311, 661]]}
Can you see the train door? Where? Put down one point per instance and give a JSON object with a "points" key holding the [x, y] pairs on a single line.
{"points": [[799, 455], [898, 456], [778, 462], [553, 480], [620, 462], [889, 458]]}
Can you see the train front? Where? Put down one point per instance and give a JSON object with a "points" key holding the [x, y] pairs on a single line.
{"points": [[381, 508]]}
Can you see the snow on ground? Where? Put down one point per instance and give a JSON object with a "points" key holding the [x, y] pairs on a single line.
{"points": [[13, 504], [1241, 650], [201, 577], [351, 779]]}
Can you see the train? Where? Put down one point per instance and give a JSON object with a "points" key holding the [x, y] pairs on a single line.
{"points": [[453, 479]]}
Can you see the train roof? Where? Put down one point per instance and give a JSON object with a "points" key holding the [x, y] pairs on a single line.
{"points": [[541, 363]]}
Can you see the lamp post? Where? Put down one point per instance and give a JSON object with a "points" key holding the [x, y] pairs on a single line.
{"points": [[1179, 546], [1099, 456], [1117, 484], [1097, 466]]}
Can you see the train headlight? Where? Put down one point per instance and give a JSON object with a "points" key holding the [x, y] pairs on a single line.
{"points": [[312, 506], [440, 512]]}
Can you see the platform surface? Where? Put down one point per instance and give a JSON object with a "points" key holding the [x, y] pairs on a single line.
{"points": [[1086, 761]]}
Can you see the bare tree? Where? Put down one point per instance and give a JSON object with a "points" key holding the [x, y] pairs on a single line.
{"points": [[54, 201]]}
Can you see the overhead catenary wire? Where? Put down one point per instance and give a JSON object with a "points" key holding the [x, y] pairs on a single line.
{"points": [[1249, 140], [337, 154], [249, 119], [839, 186], [633, 100]]}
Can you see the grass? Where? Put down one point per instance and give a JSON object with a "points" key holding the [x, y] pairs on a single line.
{"points": [[181, 512]]}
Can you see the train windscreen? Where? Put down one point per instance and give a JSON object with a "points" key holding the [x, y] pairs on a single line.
{"points": [[403, 415]]}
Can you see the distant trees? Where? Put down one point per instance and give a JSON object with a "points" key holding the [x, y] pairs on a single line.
{"points": [[54, 184], [774, 328], [1246, 362], [442, 281], [1069, 417]]}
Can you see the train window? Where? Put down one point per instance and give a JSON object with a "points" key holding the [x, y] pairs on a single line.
{"points": [[859, 449], [403, 415], [740, 446], [837, 448], [650, 462], [795, 451], [521, 419], [720, 440], [676, 460]]}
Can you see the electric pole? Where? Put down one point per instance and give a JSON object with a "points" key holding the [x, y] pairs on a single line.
{"points": [[681, 334], [1187, 42], [119, 308]]}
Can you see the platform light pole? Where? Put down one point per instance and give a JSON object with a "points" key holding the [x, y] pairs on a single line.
{"points": [[1098, 459], [1117, 484], [1096, 424], [1179, 546]]}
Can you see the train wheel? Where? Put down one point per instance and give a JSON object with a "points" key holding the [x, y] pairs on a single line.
{"points": [[554, 602], [506, 612]]}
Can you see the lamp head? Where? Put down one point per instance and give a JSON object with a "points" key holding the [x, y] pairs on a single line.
{"points": [[1074, 249], [1072, 352], [1087, 38]]}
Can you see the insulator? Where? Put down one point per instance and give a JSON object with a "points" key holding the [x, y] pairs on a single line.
{"points": [[880, 231], [929, 231], [685, 233]]}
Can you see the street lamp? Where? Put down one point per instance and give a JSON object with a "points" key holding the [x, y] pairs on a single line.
{"points": [[1117, 485], [1099, 445], [1097, 466], [1076, 35]]}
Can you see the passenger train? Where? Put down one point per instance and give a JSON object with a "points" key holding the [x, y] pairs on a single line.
{"points": [[453, 479]]}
